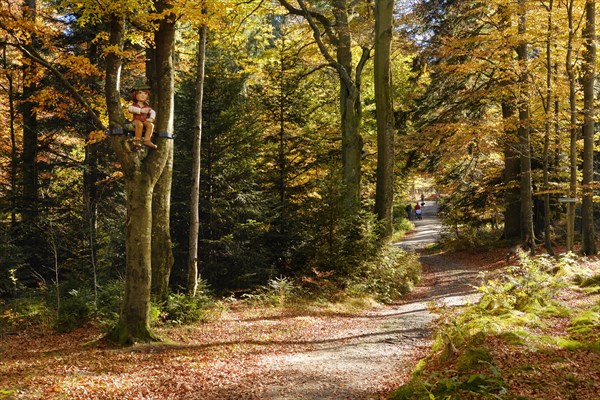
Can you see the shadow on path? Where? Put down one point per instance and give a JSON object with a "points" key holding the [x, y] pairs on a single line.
{"points": [[358, 367]]}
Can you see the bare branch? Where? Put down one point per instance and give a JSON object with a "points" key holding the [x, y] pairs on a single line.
{"points": [[306, 13]]}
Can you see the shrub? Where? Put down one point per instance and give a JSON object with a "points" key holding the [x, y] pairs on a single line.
{"points": [[181, 309], [110, 300], [277, 292], [387, 277], [75, 310], [28, 310]]}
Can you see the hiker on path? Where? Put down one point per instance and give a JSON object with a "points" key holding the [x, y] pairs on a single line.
{"points": [[418, 211]]}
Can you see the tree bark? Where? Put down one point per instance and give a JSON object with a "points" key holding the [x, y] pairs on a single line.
{"points": [[384, 196], [13, 149], [572, 129], [162, 248], [141, 170], [548, 129], [588, 236], [512, 169], [527, 233], [90, 203], [193, 275], [134, 324], [162, 252], [350, 108], [30, 132]]}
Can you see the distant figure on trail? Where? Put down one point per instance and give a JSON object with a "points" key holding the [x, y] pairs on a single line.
{"points": [[143, 116], [422, 197], [418, 211], [409, 211]]}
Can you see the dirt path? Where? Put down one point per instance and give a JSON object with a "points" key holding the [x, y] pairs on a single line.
{"points": [[365, 363], [242, 356]]}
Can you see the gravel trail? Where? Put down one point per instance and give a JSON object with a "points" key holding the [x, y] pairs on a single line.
{"points": [[369, 357]]}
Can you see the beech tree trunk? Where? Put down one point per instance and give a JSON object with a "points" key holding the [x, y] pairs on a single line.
{"points": [[572, 129], [384, 196], [142, 170], [134, 324], [588, 236], [30, 132], [350, 108], [162, 252], [548, 129], [512, 169], [162, 247], [13, 148], [527, 233], [193, 275]]}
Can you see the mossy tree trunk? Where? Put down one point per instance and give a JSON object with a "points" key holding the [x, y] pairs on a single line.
{"points": [[512, 168], [134, 324], [142, 170], [384, 196], [547, 131], [164, 84], [29, 155]]}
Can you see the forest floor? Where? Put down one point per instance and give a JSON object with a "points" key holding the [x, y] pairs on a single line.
{"points": [[254, 354]]}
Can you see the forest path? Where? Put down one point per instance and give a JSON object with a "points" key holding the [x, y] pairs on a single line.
{"points": [[251, 354], [381, 346]]}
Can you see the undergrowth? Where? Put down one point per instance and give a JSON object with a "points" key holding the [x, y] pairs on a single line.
{"points": [[383, 279], [516, 307]]}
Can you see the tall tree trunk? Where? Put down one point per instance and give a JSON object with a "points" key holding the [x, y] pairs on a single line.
{"points": [[512, 169], [192, 282], [90, 193], [134, 324], [588, 235], [14, 162], [90, 202], [162, 248], [384, 197], [548, 129], [30, 132], [350, 108], [350, 102], [527, 234], [141, 170], [162, 252], [134, 321], [281, 162], [572, 129]]}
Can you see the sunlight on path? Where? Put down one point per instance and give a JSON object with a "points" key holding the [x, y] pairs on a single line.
{"points": [[427, 231], [358, 364]]}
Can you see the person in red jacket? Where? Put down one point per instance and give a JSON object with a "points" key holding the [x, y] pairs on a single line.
{"points": [[418, 211], [143, 117]]}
